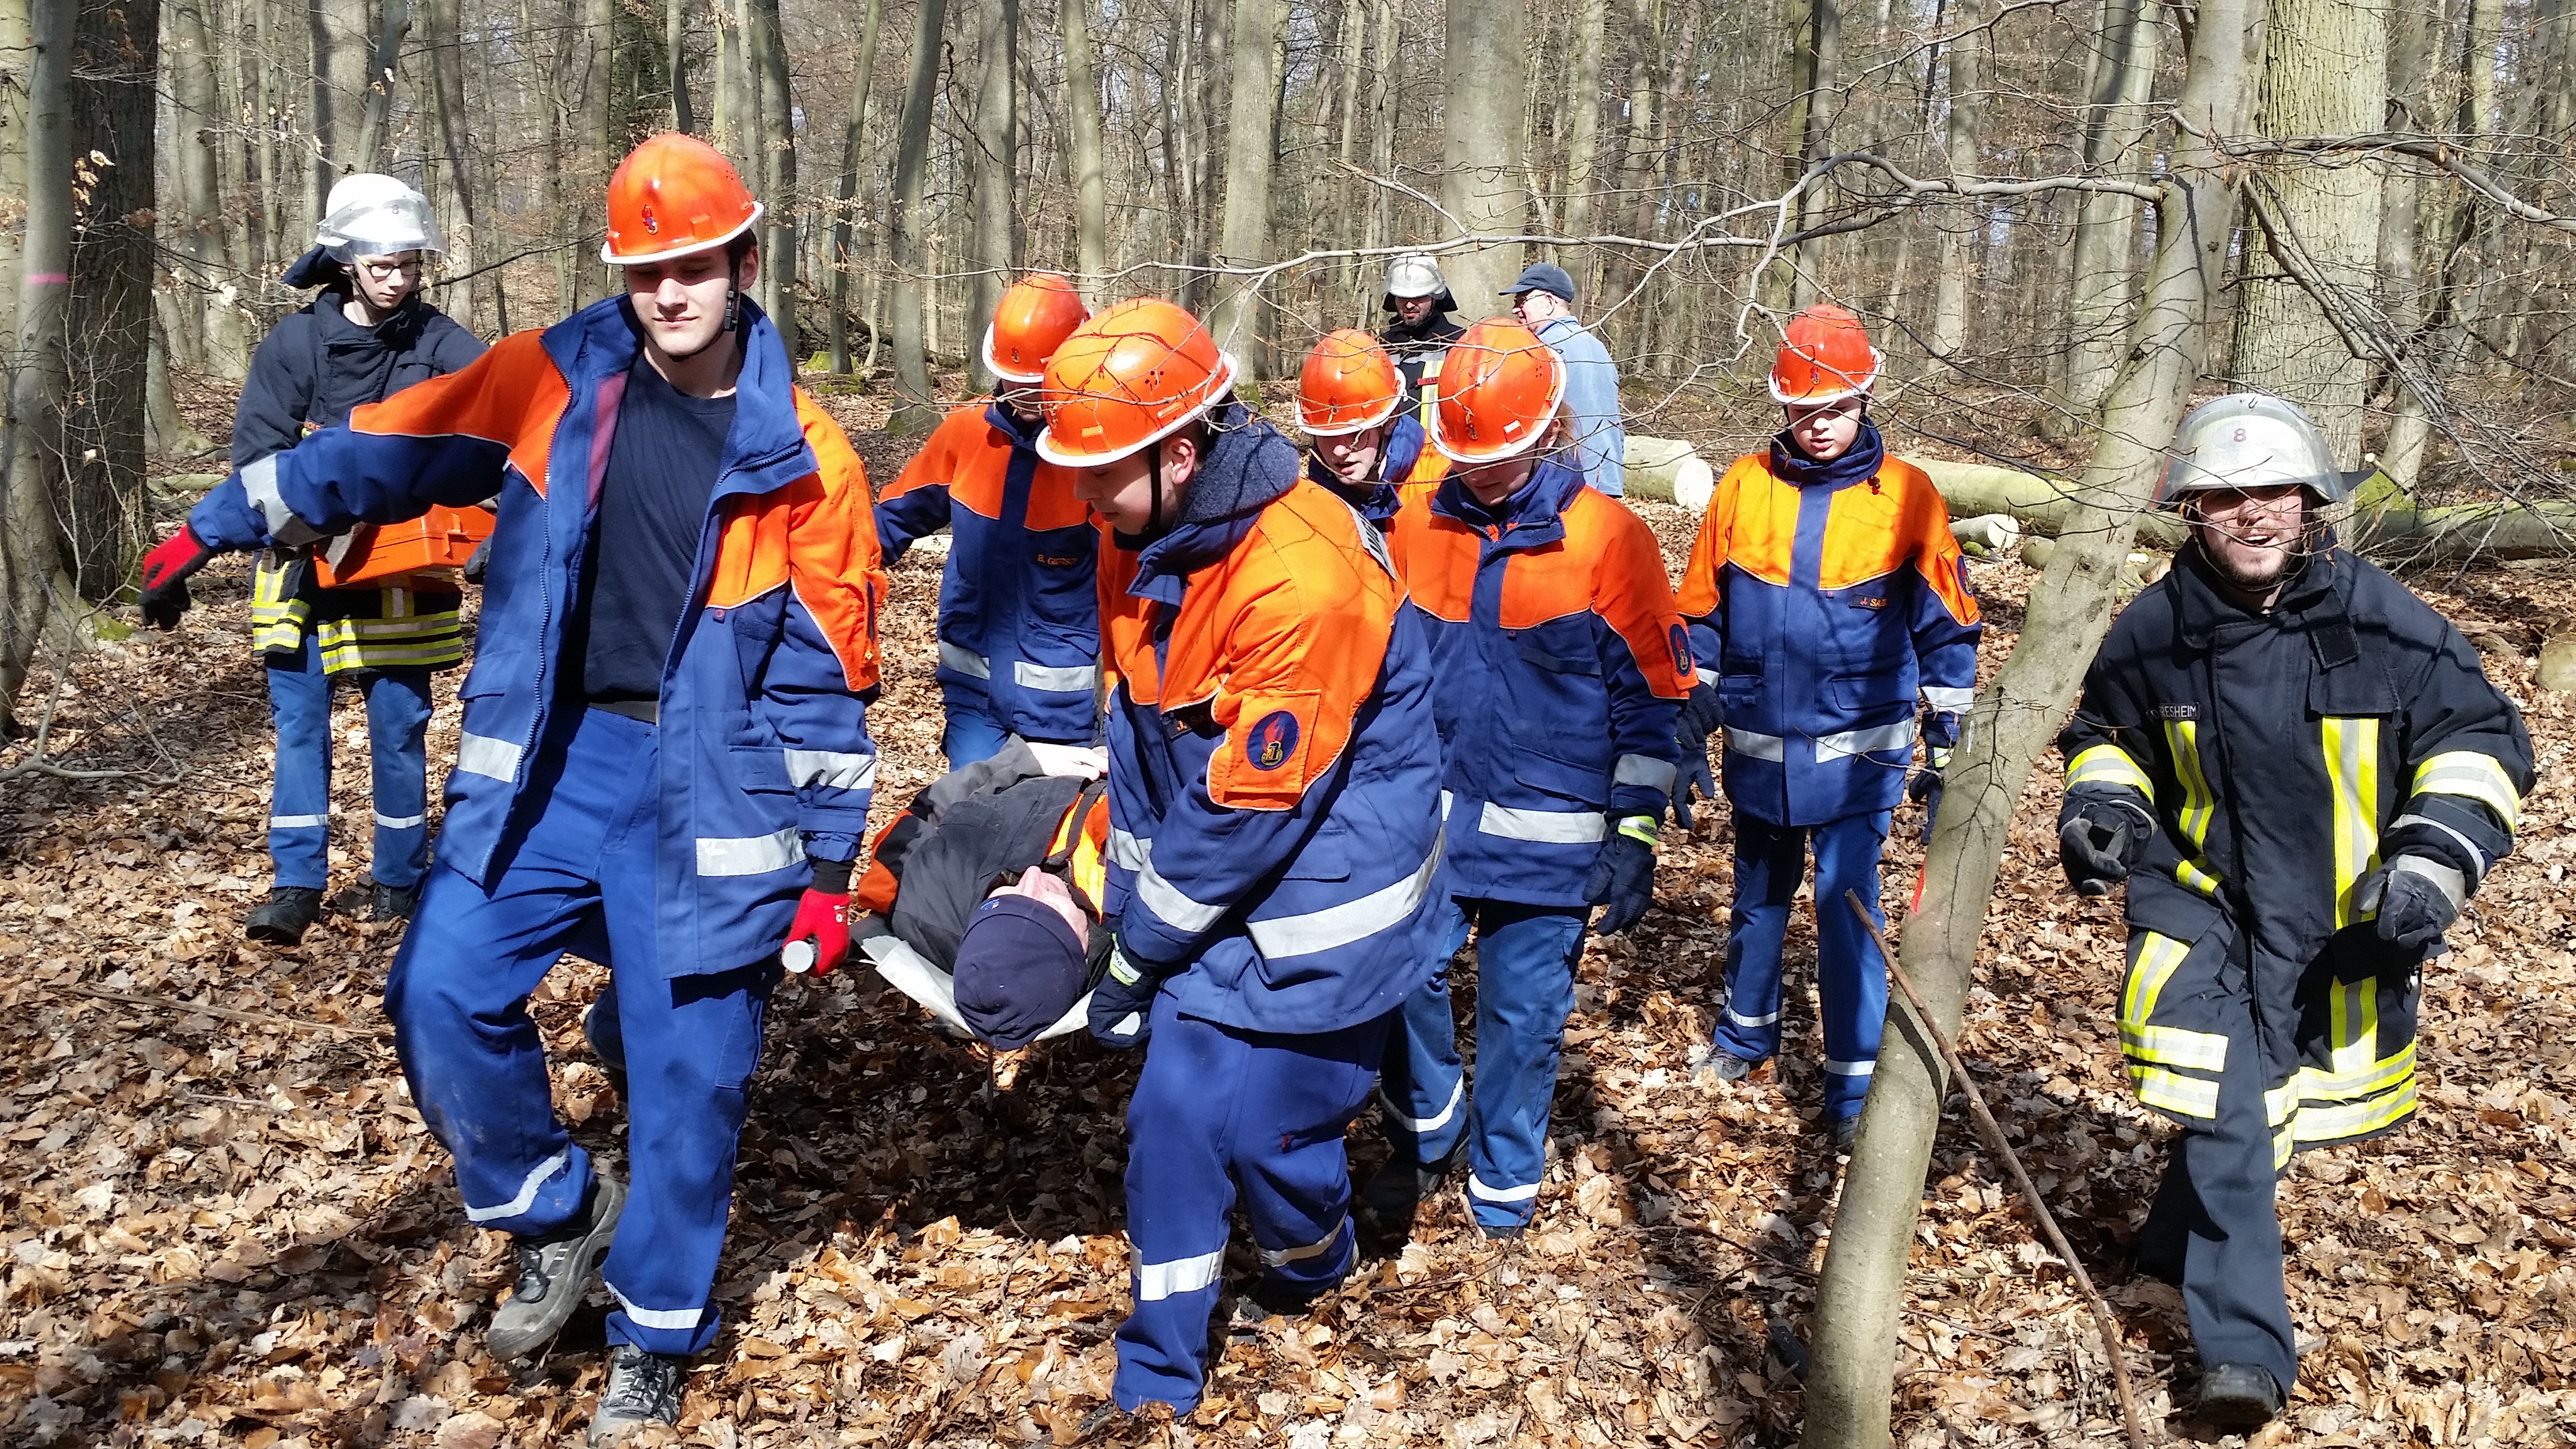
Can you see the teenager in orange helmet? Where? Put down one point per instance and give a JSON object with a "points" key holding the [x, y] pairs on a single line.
{"points": [[1827, 610], [1368, 446], [1274, 825], [665, 764], [1019, 622]]}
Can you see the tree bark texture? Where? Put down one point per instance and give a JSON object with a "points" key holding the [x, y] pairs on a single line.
{"points": [[2325, 72], [1959, 232], [1487, 77], [777, 178], [378, 98], [1861, 1294], [916, 410], [1251, 143], [343, 36], [39, 370], [116, 61], [1583, 139], [1824, 76], [845, 193], [675, 46], [1083, 149], [2106, 228], [211, 335], [997, 137]]}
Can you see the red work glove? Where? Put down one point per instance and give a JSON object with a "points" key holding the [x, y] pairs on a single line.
{"points": [[819, 939], [165, 576]]}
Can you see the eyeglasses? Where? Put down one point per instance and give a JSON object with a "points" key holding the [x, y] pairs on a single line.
{"points": [[388, 268]]}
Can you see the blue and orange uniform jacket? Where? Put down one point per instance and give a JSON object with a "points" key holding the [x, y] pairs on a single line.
{"points": [[764, 750], [1823, 598], [1562, 664], [1405, 468], [1274, 770], [1019, 605]]}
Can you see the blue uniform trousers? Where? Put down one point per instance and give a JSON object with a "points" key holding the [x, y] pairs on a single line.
{"points": [[1219, 1109], [579, 878], [1851, 982], [299, 811], [972, 733], [2214, 1231], [1524, 991]]}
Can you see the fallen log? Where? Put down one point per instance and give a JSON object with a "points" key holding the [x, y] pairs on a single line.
{"points": [[1667, 471]]}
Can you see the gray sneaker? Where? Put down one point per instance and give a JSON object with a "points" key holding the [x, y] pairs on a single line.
{"points": [[643, 1388], [554, 1272], [1721, 1066]]}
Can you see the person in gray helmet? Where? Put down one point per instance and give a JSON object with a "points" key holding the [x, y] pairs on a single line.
{"points": [[1420, 335]]}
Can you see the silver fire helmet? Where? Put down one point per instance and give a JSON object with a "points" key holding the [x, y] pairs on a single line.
{"points": [[2249, 440], [370, 215]]}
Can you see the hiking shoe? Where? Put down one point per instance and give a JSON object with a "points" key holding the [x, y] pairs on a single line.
{"points": [[393, 903], [554, 1272], [1262, 1305], [1846, 1135], [1722, 1066], [285, 916], [2239, 1395], [1392, 1192], [643, 1388]]}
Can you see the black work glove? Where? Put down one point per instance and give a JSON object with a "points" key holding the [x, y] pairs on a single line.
{"points": [[1924, 788], [2417, 899], [1700, 717], [2097, 843], [1622, 879], [165, 576], [1122, 1005]]}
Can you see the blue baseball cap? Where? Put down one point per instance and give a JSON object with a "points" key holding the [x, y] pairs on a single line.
{"points": [[1543, 277]]}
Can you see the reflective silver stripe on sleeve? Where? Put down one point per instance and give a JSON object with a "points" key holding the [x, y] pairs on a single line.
{"points": [[484, 755], [1852, 1069], [536, 1178], [1644, 770], [1740, 1019], [838, 769], [750, 854], [259, 485], [1478, 1187], [1313, 931], [670, 1320], [1158, 1281], [399, 822], [1395, 1114], [964, 660], [1947, 699], [1552, 827], [1707, 676], [1175, 909], [1127, 851], [1064, 679], [1282, 1257], [2466, 843], [1754, 746], [2446, 879], [1897, 736]]}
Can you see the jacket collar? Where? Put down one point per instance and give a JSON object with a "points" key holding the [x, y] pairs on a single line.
{"points": [[765, 451], [1858, 464], [2200, 608], [400, 329], [1249, 466], [1530, 518], [1022, 435]]}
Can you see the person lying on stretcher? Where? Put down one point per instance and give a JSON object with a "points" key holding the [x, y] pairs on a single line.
{"points": [[981, 903]]}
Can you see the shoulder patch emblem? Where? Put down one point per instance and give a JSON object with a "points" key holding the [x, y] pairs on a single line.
{"points": [[1680, 641], [1271, 741]]}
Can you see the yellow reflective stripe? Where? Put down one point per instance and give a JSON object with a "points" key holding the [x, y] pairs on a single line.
{"points": [[2198, 802], [2352, 1026], [2108, 765], [2352, 772], [2190, 873], [2173, 1046], [2473, 776], [2174, 1092], [2150, 967], [2354, 1119], [2312, 1087]]}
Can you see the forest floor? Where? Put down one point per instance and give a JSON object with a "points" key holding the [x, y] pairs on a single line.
{"points": [[222, 1223]]}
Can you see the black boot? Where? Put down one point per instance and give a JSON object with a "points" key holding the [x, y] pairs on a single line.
{"points": [[394, 903], [285, 916], [2239, 1395]]}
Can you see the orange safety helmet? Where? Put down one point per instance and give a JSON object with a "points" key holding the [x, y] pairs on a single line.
{"points": [[1031, 321], [671, 196], [1499, 388], [1348, 385], [1126, 379], [1825, 358]]}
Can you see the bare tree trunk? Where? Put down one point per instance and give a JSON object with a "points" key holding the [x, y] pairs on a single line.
{"points": [[2325, 73], [447, 103], [1243, 238], [116, 64], [767, 47], [1082, 142], [1823, 83], [210, 333], [1583, 139], [1960, 235], [916, 410], [1861, 1295], [379, 95], [1485, 71], [342, 39], [17, 60], [1644, 24], [997, 130], [598, 145], [31, 546], [845, 194], [2106, 227], [675, 43], [2457, 282]]}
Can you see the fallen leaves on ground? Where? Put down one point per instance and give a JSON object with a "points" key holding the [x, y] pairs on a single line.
{"points": [[233, 1230]]}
